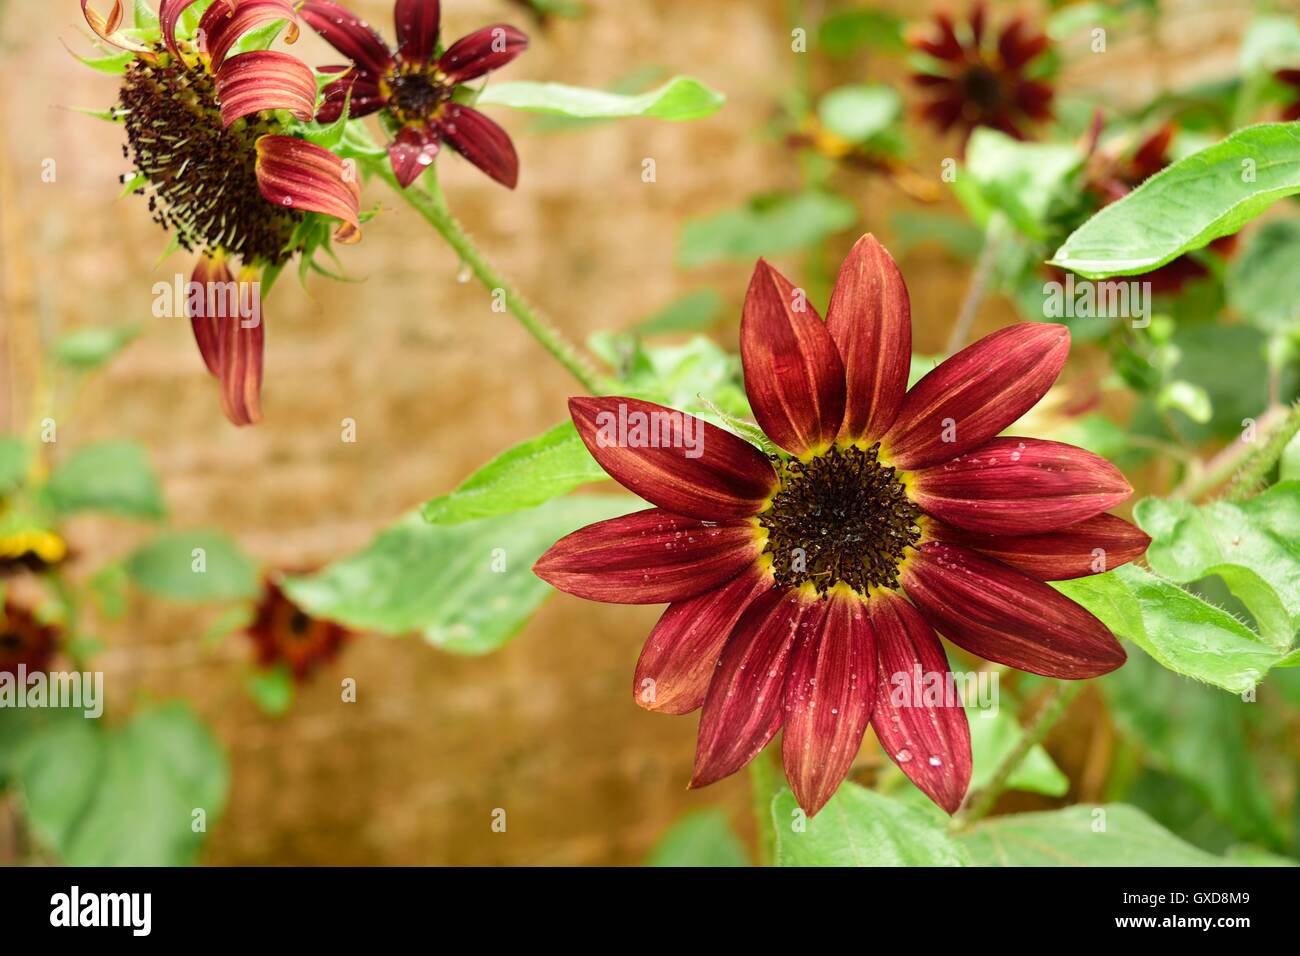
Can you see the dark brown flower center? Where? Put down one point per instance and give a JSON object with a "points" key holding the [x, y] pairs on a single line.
{"points": [[201, 178], [299, 624], [843, 517], [11, 641], [416, 93], [982, 86]]}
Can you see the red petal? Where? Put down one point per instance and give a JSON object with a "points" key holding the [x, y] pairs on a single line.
{"points": [[793, 372], [1019, 486], [697, 469], [169, 15], [239, 359], [482, 142], [203, 310], [1004, 615], [944, 112], [221, 27], [946, 46], [870, 320], [650, 557], [294, 172], [681, 654], [364, 89], [265, 80], [106, 28], [417, 29], [1093, 546], [348, 34], [977, 17], [976, 393], [482, 52], [829, 691], [1017, 49], [743, 708], [920, 725], [1035, 99], [413, 151]]}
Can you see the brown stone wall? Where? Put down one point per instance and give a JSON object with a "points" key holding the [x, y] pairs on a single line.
{"points": [[437, 383]]}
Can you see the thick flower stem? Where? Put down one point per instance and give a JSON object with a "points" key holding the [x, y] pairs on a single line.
{"points": [[1052, 710], [1257, 466], [1249, 461], [430, 204]]}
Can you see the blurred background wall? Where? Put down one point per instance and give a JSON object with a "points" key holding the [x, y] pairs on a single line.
{"points": [[438, 383]]}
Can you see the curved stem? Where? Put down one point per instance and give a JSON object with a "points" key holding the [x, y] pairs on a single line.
{"points": [[430, 204], [1256, 468], [1243, 456], [1052, 710], [978, 288]]}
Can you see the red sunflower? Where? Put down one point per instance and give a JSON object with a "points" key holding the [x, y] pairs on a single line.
{"points": [[800, 586], [208, 146], [973, 83], [415, 87], [285, 634], [25, 641]]}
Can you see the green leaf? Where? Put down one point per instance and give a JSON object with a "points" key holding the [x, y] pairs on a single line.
{"points": [[1186, 397], [146, 17], [693, 312], [678, 376], [1263, 282], [15, 456], [952, 233], [272, 689], [260, 38], [1253, 546], [193, 566], [859, 112], [1110, 835], [845, 34], [993, 735], [108, 587], [1178, 629], [1271, 43], [859, 827], [1188, 204], [114, 477], [91, 347], [542, 468], [767, 226], [1023, 180], [681, 98], [124, 796], [1288, 467], [467, 588], [114, 64], [704, 838]]}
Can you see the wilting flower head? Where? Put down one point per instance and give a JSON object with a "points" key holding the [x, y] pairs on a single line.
{"points": [[415, 87], [1113, 175], [974, 81], [284, 634], [801, 586], [208, 144], [24, 640]]}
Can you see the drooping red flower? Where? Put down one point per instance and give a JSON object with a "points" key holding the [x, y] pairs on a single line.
{"points": [[1113, 175], [973, 80], [803, 588], [25, 641], [285, 634], [1292, 79], [415, 87], [208, 147]]}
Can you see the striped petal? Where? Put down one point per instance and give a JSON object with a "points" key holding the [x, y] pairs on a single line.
{"points": [[676, 461], [361, 87], [169, 16], [107, 28], [210, 274], [650, 557], [681, 654], [413, 151], [829, 692], [1093, 546], [482, 52], [870, 320], [294, 172], [482, 142], [793, 373], [1019, 486], [923, 730], [976, 393], [743, 708], [1004, 615], [348, 34], [417, 29], [240, 341], [265, 80], [221, 26]]}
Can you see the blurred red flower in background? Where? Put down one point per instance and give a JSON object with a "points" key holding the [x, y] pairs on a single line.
{"points": [[285, 635], [25, 641]]}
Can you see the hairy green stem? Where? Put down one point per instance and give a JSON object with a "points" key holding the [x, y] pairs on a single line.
{"points": [[429, 202], [1052, 710], [1257, 466], [1278, 425]]}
